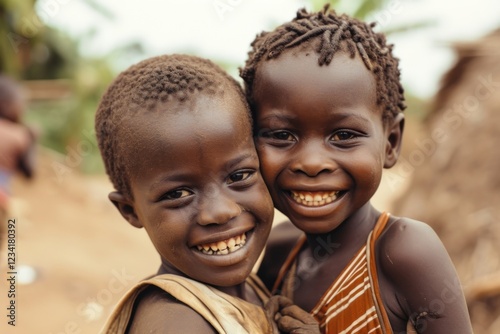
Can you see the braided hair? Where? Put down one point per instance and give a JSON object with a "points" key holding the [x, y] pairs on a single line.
{"points": [[327, 32], [149, 87]]}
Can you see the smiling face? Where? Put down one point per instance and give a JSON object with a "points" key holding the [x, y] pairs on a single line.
{"points": [[320, 137], [197, 189]]}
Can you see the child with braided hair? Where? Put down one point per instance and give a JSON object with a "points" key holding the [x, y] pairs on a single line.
{"points": [[327, 103]]}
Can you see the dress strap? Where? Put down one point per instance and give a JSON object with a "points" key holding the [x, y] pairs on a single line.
{"points": [[372, 272], [290, 260]]}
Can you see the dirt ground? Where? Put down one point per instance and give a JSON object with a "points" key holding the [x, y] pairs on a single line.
{"points": [[85, 255]]}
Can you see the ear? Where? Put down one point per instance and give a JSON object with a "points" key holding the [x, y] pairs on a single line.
{"points": [[394, 139], [126, 208]]}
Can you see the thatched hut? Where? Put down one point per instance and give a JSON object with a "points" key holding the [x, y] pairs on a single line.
{"points": [[457, 188]]}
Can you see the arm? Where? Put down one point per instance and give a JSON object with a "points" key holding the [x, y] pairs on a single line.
{"points": [[281, 241], [420, 274], [26, 163], [155, 311]]}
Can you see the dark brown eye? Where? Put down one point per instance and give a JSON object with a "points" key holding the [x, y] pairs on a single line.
{"points": [[342, 135], [180, 193], [282, 135], [239, 176]]}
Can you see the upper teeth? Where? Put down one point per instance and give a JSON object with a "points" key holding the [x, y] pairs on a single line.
{"points": [[314, 199], [223, 247]]}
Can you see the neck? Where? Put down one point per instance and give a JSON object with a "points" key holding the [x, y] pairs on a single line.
{"points": [[242, 290], [239, 290], [352, 232]]}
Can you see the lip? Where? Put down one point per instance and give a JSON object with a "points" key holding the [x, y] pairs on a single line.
{"points": [[230, 259], [313, 211], [222, 235], [314, 199]]}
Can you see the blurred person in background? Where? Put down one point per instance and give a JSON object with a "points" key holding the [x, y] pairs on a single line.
{"points": [[17, 144]]}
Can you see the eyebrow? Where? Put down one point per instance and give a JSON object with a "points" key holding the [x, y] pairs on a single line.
{"points": [[339, 116], [343, 116], [229, 165], [278, 116], [234, 162]]}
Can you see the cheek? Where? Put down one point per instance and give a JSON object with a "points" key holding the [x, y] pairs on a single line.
{"points": [[167, 236], [368, 169], [259, 202], [271, 163]]}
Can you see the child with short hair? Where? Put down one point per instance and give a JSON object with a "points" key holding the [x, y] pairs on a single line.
{"points": [[328, 104], [175, 135]]}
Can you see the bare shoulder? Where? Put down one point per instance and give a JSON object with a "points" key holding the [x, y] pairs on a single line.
{"points": [[415, 264], [407, 242], [282, 239], [408, 247], [155, 311]]}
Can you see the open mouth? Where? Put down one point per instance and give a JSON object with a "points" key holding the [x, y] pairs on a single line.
{"points": [[224, 247], [314, 199]]}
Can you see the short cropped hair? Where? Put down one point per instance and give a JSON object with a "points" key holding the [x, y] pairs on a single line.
{"points": [[323, 32], [138, 90]]}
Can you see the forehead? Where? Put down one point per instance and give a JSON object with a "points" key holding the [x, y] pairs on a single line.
{"points": [[207, 120], [297, 75]]}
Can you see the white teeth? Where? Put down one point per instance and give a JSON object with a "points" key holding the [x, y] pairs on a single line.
{"points": [[314, 199], [223, 247]]}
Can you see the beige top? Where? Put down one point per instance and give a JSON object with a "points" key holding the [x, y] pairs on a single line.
{"points": [[227, 314]]}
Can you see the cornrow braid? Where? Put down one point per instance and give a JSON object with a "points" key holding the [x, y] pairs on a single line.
{"points": [[331, 33], [143, 87]]}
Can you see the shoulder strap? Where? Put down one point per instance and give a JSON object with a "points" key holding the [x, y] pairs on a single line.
{"points": [[372, 272], [288, 262]]}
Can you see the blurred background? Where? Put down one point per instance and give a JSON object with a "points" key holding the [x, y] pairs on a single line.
{"points": [[76, 256]]}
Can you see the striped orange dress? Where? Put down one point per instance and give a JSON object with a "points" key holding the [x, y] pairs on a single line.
{"points": [[352, 304]]}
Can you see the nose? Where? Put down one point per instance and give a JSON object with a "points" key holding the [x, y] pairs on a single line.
{"points": [[313, 159], [216, 207]]}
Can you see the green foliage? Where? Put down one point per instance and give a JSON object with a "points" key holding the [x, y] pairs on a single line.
{"points": [[14, 40], [31, 50], [67, 125], [360, 9]]}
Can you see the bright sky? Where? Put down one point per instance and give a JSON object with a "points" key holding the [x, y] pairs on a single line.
{"points": [[223, 29]]}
